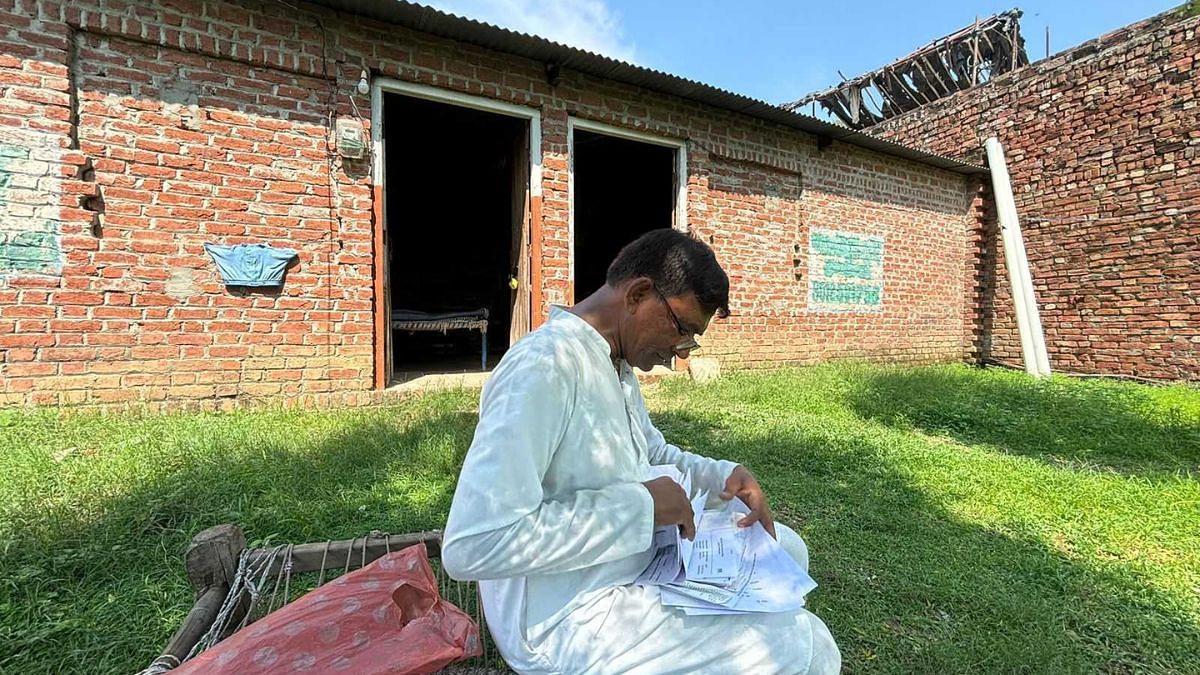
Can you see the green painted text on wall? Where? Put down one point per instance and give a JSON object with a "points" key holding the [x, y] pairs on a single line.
{"points": [[845, 271], [27, 243]]}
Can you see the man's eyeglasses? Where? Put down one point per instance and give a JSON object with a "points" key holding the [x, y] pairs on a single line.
{"points": [[689, 343]]}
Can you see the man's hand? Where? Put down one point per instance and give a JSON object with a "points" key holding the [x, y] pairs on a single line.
{"points": [[671, 505], [741, 483]]}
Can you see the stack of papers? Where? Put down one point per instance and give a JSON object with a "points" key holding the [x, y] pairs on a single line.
{"points": [[727, 569]]}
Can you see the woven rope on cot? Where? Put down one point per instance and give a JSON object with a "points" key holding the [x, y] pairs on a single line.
{"points": [[162, 664], [248, 580], [254, 581]]}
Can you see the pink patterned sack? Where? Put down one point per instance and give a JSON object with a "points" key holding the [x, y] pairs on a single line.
{"points": [[384, 618]]}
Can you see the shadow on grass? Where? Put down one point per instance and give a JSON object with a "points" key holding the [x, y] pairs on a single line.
{"points": [[904, 585], [102, 593], [907, 587], [1079, 424]]}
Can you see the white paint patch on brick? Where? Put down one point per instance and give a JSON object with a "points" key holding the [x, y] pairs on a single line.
{"points": [[30, 188], [181, 285]]}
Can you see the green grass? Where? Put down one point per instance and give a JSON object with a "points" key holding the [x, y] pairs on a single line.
{"points": [[959, 520]]}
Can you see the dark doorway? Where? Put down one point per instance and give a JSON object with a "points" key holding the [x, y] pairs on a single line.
{"points": [[622, 189], [455, 193]]}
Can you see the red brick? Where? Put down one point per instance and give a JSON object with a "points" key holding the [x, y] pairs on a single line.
{"points": [[30, 369], [67, 354], [241, 171], [27, 311], [11, 341], [77, 298], [1101, 181]]}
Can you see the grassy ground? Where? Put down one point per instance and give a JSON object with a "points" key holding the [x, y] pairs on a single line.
{"points": [[959, 520]]}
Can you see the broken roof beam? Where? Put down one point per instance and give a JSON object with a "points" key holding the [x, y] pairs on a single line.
{"points": [[898, 92], [850, 107], [927, 86], [942, 67], [967, 57]]}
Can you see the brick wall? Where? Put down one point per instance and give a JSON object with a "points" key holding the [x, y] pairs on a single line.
{"points": [[1103, 144], [760, 219], [131, 133]]}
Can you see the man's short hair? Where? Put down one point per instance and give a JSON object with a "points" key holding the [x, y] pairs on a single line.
{"points": [[677, 264]]}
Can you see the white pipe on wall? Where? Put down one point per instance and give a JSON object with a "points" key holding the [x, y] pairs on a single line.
{"points": [[1029, 321], [1031, 306]]}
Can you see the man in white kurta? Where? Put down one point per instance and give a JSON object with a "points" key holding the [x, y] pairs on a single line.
{"points": [[552, 516]]}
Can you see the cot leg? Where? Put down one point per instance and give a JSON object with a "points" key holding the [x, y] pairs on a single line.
{"points": [[483, 358]]}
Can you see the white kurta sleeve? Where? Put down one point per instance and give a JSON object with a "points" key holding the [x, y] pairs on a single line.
{"points": [[501, 525], [707, 473]]}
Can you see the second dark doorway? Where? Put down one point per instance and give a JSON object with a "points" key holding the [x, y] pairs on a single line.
{"points": [[622, 189]]}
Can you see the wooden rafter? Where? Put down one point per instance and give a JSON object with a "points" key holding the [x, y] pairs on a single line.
{"points": [[950, 64]]}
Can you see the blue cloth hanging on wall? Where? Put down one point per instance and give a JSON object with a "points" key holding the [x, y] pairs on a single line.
{"points": [[250, 264]]}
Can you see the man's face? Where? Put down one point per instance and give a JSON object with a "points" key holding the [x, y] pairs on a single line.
{"points": [[663, 327]]}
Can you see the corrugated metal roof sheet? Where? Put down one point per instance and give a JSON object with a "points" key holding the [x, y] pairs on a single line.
{"points": [[435, 22]]}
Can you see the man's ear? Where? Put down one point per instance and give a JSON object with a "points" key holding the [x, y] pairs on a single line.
{"points": [[637, 291]]}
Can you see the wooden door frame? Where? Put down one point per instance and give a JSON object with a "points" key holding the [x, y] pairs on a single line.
{"points": [[679, 218], [387, 85]]}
